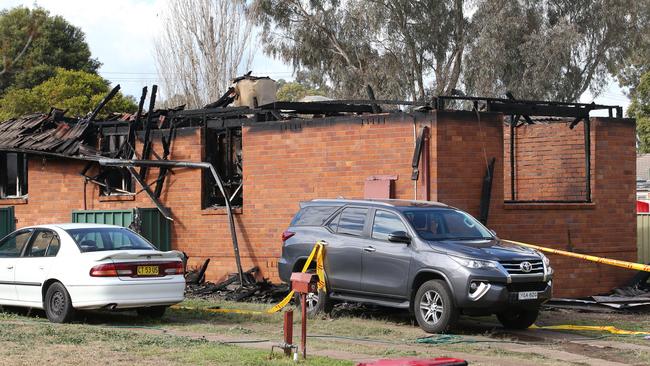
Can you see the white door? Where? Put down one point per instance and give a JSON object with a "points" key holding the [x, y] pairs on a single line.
{"points": [[11, 249], [33, 267]]}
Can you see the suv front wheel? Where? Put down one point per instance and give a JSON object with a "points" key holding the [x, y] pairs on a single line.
{"points": [[434, 307]]}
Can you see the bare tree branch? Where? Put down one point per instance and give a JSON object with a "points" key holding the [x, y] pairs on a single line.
{"points": [[6, 66], [204, 45]]}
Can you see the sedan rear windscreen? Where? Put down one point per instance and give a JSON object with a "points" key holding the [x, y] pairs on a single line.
{"points": [[101, 239]]}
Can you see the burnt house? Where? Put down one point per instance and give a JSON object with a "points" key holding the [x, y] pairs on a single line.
{"points": [[194, 180]]}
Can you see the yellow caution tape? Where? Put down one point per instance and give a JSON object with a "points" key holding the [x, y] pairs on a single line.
{"points": [[604, 328], [209, 310], [319, 253], [611, 262]]}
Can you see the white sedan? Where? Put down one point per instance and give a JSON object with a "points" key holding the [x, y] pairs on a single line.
{"points": [[61, 268]]}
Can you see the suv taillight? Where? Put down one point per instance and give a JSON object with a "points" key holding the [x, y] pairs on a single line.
{"points": [[131, 269], [287, 234]]}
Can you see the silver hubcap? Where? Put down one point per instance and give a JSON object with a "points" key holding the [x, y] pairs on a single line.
{"points": [[312, 300], [431, 307]]}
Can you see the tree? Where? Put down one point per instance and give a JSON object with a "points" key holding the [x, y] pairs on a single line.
{"points": [[77, 91], [392, 45], [202, 48], [294, 91], [553, 49], [33, 44], [640, 109], [637, 61], [411, 49]]}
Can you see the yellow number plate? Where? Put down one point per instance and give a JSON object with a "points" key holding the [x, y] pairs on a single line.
{"points": [[148, 271]]}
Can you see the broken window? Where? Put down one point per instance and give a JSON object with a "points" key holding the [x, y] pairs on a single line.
{"points": [[13, 175], [223, 149], [115, 181], [547, 162]]}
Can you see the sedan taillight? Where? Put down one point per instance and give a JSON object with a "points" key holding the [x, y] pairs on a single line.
{"points": [[137, 269]]}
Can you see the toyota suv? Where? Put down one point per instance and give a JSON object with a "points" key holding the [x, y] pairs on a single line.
{"points": [[433, 259]]}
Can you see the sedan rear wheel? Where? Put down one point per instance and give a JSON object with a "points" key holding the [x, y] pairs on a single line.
{"points": [[58, 305]]}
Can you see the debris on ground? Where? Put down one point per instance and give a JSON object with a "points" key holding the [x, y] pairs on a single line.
{"points": [[230, 289], [634, 296]]}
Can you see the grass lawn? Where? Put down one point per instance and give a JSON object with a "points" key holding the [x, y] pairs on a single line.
{"points": [[31, 341], [124, 338]]}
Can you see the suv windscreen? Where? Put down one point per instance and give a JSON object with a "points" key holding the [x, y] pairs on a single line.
{"points": [[446, 224], [101, 239]]}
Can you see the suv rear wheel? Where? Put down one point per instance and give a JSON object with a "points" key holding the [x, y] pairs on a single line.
{"points": [[317, 303], [434, 307], [518, 318]]}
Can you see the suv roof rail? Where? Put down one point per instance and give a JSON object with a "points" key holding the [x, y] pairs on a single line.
{"points": [[423, 202], [343, 200], [390, 202]]}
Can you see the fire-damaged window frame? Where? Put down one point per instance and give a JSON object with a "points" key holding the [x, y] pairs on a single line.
{"points": [[116, 181], [519, 112], [228, 165], [21, 175], [513, 122]]}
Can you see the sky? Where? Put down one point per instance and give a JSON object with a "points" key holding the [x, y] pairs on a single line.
{"points": [[121, 35]]}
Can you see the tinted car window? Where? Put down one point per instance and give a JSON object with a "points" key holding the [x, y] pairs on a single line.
{"points": [[313, 215], [334, 224], [40, 244], [12, 245], [352, 221], [386, 223], [100, 239], [53, 248], [443, 224]]}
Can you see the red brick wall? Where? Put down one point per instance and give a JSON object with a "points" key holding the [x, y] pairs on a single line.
{"points": [[285, 163], [288, 162], [607, 227], [549, 162]]}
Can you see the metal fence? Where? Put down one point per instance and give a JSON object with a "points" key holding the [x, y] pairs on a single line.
{"points": [[153, 225], [643, 237], [7, 222]]}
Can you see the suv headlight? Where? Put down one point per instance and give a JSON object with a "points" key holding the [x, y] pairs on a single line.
{"points": [[474, 263]]}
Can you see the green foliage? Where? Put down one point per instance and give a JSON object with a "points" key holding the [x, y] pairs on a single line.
{"points": [[48, 42], [294, 91], [391, 45], [637, 61], [77, 91], [640, 109], [412, 49], [553, 50]]}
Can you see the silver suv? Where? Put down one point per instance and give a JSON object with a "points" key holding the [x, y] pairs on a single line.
{"points": [[433, 259]]}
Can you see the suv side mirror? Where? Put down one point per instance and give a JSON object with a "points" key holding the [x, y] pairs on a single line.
{"points": [[399, 237]]}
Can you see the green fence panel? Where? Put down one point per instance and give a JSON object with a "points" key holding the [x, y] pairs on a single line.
{"points": [[643, 237], [7, 220], [153, 225], [109, 217]]}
